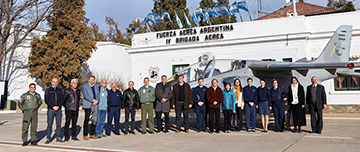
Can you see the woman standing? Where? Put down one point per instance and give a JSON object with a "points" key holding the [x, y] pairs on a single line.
{"points": [[263, 104], [239, 100], [278, 97], [228, 106], [296, 100], [250, 99]]}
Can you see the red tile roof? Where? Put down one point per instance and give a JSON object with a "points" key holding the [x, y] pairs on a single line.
{"points": [[301, 8]]}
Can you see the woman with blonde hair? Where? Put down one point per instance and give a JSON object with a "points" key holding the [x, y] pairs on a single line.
{"points": [[239, 100]]}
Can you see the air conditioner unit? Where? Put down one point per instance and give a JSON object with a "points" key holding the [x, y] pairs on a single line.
{"points": [[206, 57]]}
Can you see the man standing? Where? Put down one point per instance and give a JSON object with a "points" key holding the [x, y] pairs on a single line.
{"points": [[147, 97], [316, 101], [200, 104], [114, 106], [103, 103], [29, 104], [163, 94], [54, 98], [214, 97], [71, 104], [91, 98], [131, 105], [181, 101]]}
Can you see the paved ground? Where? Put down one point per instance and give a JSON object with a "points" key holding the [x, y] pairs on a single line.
{"points": [[341, 133]]}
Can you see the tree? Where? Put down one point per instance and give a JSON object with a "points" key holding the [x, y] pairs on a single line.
{"points": [[66, 47], [18, 19], [114, 34], [342, 5], [223, 19], [96, 33], [170, 6]]}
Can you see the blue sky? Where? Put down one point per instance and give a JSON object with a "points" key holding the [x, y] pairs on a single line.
{"points": [[124, 10]]}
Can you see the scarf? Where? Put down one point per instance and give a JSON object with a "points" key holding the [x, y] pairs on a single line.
{"points": [[236, 90], [294, 89]]}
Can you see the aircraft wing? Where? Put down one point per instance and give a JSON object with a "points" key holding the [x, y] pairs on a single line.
{"points": [[357, 74], [302, 66]]}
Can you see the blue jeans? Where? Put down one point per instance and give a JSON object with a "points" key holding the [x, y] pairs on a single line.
{"points": [[51, 113], [100, 122]]}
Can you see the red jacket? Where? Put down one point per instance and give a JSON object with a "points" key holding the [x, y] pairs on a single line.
{"points": [[214, 95]]}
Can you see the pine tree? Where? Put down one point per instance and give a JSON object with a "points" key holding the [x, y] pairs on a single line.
{"points": [[66, 47], [170, 6], [223, 19]]}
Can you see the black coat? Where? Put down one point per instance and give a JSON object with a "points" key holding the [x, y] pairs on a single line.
{"points": [[320, 97], [131, 99], [70, 103], [297, 111]]}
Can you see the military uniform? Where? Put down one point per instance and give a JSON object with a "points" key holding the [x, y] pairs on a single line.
{"points": [[29, 104]]}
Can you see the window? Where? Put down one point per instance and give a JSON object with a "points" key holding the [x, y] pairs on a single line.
{"points": [[177, 68], [287, 59], [347, 83], [267, 59]]}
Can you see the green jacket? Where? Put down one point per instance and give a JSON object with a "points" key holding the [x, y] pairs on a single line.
{"points": [[29, 102], [147, 95]]}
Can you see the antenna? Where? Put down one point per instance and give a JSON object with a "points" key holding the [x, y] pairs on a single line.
{"points": [[260, 12]]}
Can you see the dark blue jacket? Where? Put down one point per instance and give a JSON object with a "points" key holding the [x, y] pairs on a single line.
{"points": [[278, 95], [114, 98], [263, 95], [199, 94], [54, 97], [249, 94]]}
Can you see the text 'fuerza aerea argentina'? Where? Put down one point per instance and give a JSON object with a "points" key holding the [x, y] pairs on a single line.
{"points": [[195, 34]]}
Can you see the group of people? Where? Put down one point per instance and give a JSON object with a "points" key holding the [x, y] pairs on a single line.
{"points": [[208, 102]]}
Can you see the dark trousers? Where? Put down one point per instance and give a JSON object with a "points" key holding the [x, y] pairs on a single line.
{"points": [[201, 117], [279, 113], [180, 109], [132, 124], [158, 121], [250, 115], [51, 114], [86, 123], [239, 113], [214, 113], [227, 119], [29, 118], [113, 113], [316, 119], [71, 116]]}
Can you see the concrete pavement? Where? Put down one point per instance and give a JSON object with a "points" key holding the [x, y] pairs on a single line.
{"points": [[340, 133]]}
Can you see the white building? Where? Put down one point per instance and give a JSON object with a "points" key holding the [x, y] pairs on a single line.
{"points": [[281, 39]]}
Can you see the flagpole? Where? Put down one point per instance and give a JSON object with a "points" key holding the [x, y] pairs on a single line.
{"points": [[239, 12], [248, 10]]}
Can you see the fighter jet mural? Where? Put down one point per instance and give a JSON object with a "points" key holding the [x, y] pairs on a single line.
{"points": [[332, 62]]}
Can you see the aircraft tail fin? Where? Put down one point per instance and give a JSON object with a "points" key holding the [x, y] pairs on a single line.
{"points": [[338, 48]]}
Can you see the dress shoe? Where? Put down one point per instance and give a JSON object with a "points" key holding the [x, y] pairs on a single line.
{"points": [[24, 144], [66, 139], [143, 133], [103, 135], [253, 130], [34, 143], [47, 141], [86, 138], [152, 132], [92, 137], [187, 131], [75, 139], [177, 131], [132, 132], [59, 140], [166, 132], [99, 136]]}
